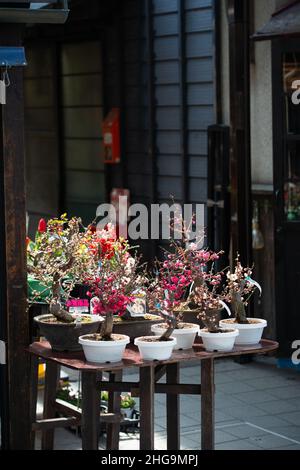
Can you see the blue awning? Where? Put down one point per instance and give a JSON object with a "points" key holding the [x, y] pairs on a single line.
{"points": [[12, 57]]}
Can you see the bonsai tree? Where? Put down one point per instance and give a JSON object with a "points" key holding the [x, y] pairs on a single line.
{"points": [[238, 291], [183, 268], [56, 261], [114, 278], [209, 304]]}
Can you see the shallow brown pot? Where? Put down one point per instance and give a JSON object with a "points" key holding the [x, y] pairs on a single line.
{"points": [[136, 328], [64, 336]]}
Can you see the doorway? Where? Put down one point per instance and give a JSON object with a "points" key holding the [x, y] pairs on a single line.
{"points": [[286, 122]]}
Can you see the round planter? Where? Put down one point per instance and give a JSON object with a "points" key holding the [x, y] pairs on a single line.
{"points": [[64, 336], [136, 328], [155, 350], [104, 352], [219, 342], [250, 334], [127, 412], [185, 337]]}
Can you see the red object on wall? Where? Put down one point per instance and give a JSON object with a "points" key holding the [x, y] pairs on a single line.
{"points": [[120, 199], [111, 137]]}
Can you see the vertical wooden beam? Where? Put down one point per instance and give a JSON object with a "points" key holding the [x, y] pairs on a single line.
{"points": [[34, 374], [151, 110], [183, 103], [239, 57], [147, 408], [173, 409], [217, 48], [51, 380], [207, 405], [90, 424], [114, 403], [13, 233]]}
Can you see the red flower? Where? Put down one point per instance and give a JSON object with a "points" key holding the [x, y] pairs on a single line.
{"points": [[42, 228], [92, 228], [27, 241]]}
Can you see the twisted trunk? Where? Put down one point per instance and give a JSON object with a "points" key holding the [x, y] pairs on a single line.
{"points": [[172, 323], [56, 308], [107, 327], [211, 319], [238, 308]]}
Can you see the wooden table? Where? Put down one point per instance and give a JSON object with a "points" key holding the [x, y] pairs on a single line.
{"points": [[149, 372]]}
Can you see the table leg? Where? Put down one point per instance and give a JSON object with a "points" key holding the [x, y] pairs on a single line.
{"points": [[90, 423], [147, 408], [34, 372], [114, 402], [51, 380], [173, 409], [207, 405]]}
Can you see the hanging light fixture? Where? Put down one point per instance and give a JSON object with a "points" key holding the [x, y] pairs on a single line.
{"points": [[258, 241]]}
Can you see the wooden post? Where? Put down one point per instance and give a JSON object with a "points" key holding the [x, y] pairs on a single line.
{"points": [[114, 402], [173, 409], [14, 322], [34, 372], [91, 397], [51, 381], [207, 405], [240, 156], [147, 408]]}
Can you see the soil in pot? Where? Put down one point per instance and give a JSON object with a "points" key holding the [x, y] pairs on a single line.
{"points": [[64, 336], [251, 321], [185, 334]]}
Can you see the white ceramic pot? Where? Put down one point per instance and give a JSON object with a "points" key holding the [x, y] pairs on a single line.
{"points": [[250, 334], [219, 342], [155, 350], [127, 412], [103, 352], [185, 337]]}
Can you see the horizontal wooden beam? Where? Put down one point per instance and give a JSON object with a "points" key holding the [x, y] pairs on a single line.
{"points": [[48, 424], [171, 389], [68, 409]]}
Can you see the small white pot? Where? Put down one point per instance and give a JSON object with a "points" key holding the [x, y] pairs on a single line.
{"points": [[103, 352], [185, 337], [155, 350], [219, 342], [250, 334]]}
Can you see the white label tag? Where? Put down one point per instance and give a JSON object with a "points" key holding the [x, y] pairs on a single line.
{"points": [[138, 308], [79, 310], [2, 353], [2, 92]]}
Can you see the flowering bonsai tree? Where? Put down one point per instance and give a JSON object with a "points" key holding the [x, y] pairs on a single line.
{"points": [[206, 297], [56, 261], [114, 277], [238, 291], [181, 272]]}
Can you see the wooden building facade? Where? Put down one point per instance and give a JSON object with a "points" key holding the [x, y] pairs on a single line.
{"points": [[174, 68]]}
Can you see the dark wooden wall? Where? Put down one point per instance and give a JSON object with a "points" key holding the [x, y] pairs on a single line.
{"points": [[158, 67], [14, 322], [167, 95]]}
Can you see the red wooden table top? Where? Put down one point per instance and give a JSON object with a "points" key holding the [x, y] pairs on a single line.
{"points": [[132, 358]]}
